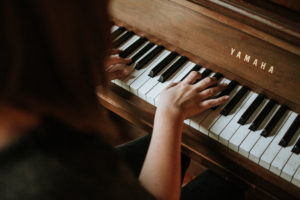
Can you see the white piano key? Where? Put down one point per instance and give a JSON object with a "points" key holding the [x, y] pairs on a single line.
{"points": [[243, 131], [273, 149], [186, 122], [223, 121], [291, 167], [189, 67], [115, 39], [136, 84], [263, 142], [215, 114], [284, 154], [196, 120], [155, 91], [113, 28], [177, 79], [125, 82], [202, 69], [253, 136], [122, 47], [129, 42], [231, 128], [296, 178], [143, 91]]}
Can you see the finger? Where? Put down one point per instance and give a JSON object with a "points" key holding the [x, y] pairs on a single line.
{"points": [[207, 93], [115, 59], [171, 85], [205, 83], [116, 67], [192, 77], [210, 103], [115, 75], [115, 51], [120, 74]]}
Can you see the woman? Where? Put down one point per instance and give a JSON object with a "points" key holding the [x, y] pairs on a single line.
{"points": [[54, 133]]}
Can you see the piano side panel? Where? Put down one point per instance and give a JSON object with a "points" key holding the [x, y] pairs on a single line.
{"points": [[211, 43]]}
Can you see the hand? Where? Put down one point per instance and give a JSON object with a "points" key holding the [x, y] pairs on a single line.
{"points": [[185, 99], [116, 67]]}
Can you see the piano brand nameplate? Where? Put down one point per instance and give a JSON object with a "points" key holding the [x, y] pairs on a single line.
{"points": [[252, 61]]}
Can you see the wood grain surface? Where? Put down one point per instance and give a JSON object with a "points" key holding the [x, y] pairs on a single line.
{"points": [[209, 42]]}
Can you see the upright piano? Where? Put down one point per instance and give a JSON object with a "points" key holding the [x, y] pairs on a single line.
{"points": [[252, 45]]}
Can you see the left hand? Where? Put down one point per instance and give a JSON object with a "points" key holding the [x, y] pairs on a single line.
{"points": [[116, 67]]}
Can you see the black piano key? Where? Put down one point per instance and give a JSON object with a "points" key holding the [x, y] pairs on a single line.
{"points": [[239, 95], [172, 69], [118, 32], [250, 110], [149, 57], [218, 75], [262, 115], [227, 91], [229, 88], [204, 74], [132, 47], [195, 68], [290, 132], [141, 52], [275, 119], [163, 64], [296, 148], [122, 39]]}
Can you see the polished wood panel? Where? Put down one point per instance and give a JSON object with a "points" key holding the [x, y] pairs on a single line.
{"points": [[207, 38]]}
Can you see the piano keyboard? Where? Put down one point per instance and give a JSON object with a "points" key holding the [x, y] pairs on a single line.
{"points": [[251, 124]]}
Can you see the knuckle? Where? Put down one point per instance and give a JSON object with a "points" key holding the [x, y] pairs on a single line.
{"points": [[211, 91], [207, 80], [211, 103], [219, 100]]}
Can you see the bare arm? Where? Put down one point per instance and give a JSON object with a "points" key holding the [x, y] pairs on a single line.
{"points": [[160, 174]]}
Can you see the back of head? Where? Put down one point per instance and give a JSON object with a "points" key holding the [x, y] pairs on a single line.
{"points": [[51, 56]]}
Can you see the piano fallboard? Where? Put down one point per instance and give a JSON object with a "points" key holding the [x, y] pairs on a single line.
{"points": [[266, 63]]}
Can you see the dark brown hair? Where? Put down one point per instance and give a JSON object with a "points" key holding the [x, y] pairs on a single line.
{"points": [[52, 55]]}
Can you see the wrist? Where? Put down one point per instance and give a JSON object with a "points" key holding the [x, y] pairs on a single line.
{"points": [[170, 113]]}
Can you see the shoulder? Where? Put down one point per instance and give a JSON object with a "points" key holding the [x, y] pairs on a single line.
{"points": [[65, 164]]}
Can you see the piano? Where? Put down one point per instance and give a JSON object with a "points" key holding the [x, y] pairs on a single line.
{"points": [[254, 139]]}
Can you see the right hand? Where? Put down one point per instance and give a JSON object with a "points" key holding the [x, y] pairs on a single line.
{"points": [[185, 99]]}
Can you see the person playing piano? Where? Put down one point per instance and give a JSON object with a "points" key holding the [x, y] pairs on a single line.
{"points": [[54, 134]]}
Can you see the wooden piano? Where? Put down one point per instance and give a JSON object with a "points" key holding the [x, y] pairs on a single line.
{"points": [[256, 43]]}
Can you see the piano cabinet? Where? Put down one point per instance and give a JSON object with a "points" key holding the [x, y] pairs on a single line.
{"points": [[244, 42]]}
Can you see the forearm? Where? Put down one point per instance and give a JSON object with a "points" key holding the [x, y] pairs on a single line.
{"points": [[161, 170]]}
